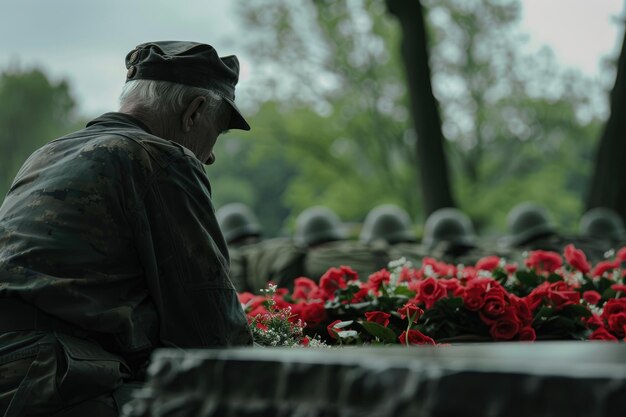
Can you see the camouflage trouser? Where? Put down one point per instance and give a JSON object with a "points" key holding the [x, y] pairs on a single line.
{"points": [[48, 373]]}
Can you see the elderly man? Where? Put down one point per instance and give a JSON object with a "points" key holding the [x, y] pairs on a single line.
{"points": [[109, 245]]}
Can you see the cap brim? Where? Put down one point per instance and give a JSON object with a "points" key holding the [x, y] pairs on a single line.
{"points": [[236, 119]]}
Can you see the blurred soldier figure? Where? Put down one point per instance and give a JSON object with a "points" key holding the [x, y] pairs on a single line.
{"points": [[601, 229], [387, 222], [388, 232], [530, 226], [277, 260], [603, 224], [449, 236], [240, 228], [317, 225], [320, 232], [239, 225]]}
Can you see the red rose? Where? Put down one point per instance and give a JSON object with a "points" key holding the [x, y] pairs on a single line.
{"points": [[305, 341], [618, 287], [331, 281], [303, 287], [592, 297], [510, 268], [429, 291], [452, 286], [602, 334], [415, 337], [527, 334], [244, 297], [407, 275], [494, 306], [375, 280], [521, 310], [261, 326], [360, 295], [488, 263], [410, 310], [441, 269], [614, 306], [604, 266], [349, 273], [544, 261], [468, 273], [561, 299], [379, 317], [621, 254], [593, 321], [616, 323], [331, 329], [313, 314], [577, 259], [474, 298], [506, 326], [537, 295]]}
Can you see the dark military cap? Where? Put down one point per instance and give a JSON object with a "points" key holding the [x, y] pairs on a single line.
{"points": [[190, 63]]}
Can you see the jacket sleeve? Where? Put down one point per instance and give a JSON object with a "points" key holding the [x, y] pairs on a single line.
{"points": [[185, 260]]}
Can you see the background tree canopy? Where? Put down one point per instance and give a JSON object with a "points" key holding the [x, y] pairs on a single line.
{"points": [[331, 114], [33, 111]]}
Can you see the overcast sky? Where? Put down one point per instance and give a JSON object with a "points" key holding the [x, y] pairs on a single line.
{"points": [[86, 41]]}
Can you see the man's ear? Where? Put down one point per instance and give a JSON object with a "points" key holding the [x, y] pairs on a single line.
{"points": [[191, 113]]}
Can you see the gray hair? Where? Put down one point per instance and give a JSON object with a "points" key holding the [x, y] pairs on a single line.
{"points": [[165, 96]]}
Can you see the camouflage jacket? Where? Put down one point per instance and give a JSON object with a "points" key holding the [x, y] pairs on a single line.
{"points": [[112, 229]]}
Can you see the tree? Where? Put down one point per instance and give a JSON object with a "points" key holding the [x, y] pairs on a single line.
{"points": [[516, 125], [33, 110], [327, 64], [432, 162], [607, 187]]}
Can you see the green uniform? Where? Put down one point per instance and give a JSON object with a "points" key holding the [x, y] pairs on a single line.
{"points": [[358, 256], [277, 260], [111, 230]]}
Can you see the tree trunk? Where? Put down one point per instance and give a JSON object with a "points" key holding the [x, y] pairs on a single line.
{"points": [[433, 167], [608, 184]]}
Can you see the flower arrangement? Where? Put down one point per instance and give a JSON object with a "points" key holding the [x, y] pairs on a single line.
{"points": [[551, 297]]}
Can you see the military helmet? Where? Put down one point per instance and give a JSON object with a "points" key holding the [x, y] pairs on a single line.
{"points": [[237, 221], [528, 221], [318, 225], [448, 225], [387, 222], [602, 223]]}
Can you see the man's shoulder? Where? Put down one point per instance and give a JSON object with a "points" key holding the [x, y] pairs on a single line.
{"points": [[132, 145]]}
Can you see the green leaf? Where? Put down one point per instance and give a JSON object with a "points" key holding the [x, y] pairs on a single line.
{"points": [[575, 310], [543, 313], [402, 290], [452, 302], [608, 294], [379, 331], [530, 279], [554, 278], [499, 275]]}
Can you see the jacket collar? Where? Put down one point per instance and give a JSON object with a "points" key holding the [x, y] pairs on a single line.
{"points": [[119, 120]]}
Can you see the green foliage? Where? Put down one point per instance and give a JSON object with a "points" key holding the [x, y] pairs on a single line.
{"points": [[337, 110], [519, 126], [330, 75], [33, 111], [381, 332]]}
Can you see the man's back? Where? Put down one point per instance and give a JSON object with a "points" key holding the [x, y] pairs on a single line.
{"points": [[88, 229]]}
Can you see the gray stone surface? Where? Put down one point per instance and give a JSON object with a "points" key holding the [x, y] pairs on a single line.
{"points": [[493, 379]]}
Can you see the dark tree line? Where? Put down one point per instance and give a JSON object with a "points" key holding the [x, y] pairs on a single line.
{"points": [[607, 187]]}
